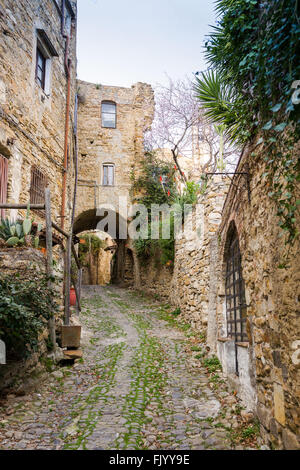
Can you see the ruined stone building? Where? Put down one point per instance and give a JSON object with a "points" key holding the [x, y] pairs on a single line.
{"points": [[112, 122], [37, 102]]}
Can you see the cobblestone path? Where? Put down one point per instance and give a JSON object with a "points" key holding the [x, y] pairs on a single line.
{"points": [[141, 385]]}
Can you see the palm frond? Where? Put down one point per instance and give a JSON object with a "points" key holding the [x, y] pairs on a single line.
{"points": [[218, 102]]}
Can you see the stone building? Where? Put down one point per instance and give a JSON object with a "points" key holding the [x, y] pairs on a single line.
{"points": [[37, 102], [256, 317], [111, 123]]}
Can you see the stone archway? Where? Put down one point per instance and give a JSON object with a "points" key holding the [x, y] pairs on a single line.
{"points": [[89, 221]]}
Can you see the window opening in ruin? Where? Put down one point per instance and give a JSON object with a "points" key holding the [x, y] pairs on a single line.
{"points": [[3, 182], [109, 114], [37, 186], [236, 308], [108, 175]]}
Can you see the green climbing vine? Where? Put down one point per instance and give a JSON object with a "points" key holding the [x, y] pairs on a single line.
{"points": [[254, 52], [158, 183]]}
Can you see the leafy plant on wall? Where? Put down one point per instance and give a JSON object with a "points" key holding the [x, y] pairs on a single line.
{"points": [[157, 183], [253, 89]]}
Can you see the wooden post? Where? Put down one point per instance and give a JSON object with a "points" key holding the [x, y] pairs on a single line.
{"points": [[79, 283], [51, 322], [67, 280]]}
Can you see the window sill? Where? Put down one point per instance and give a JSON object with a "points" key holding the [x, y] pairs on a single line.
{"points": [[244, 344], [42, 91], [224, 340]]}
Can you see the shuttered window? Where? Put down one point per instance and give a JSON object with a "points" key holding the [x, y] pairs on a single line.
{"points": [[108, 175], [3, 182]]}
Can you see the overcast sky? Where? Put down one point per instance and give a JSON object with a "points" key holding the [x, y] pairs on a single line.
{"points": [[121, 42]]}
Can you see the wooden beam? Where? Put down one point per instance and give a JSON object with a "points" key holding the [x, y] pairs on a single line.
{"points": [[60, 230], [22, 206]]}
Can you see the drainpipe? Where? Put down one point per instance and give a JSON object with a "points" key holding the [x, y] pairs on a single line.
{"points": [[67, 64], [67, 121]]}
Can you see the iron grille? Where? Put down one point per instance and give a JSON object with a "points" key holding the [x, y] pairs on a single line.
{"points": [[37, 186], [235, 294]]}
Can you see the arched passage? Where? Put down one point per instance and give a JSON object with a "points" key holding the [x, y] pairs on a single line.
{"points": [[89, 221]]}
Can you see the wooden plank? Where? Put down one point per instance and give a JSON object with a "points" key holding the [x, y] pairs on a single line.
{"points": [[51, 323]]}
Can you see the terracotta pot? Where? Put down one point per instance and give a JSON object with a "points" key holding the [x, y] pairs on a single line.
{"points": [[72, 296]]}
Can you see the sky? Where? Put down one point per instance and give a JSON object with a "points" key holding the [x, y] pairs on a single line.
{"points": [[121, 42]]}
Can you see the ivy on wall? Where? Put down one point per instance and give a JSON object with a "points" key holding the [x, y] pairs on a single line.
{"points": [[254, 51]]}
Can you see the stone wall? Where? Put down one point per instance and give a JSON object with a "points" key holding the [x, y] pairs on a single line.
{"points": [[272, 298], [187, 284], [22, 261], [191, 280], [32, 127]]}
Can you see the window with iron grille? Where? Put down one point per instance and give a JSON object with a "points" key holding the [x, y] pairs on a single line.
{"points": [[108, 175], [3, 182], [109, 114], [37, 186], [236, 308]]}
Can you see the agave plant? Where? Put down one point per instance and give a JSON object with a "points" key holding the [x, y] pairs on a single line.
{"points": [[19, 232]]}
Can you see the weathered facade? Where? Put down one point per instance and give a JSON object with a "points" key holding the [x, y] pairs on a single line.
{"points": [[111, 126], [264, 364], [109, 150], [37, 53]]}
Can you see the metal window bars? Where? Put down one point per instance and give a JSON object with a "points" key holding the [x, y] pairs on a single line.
{"points": [[236, 308]]}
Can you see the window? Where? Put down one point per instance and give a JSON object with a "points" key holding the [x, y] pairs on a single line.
{"points": [[108, 112], [44, 53], [236, 308], [108, 175], [40, 72], [3, 182], [37, 186]]}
